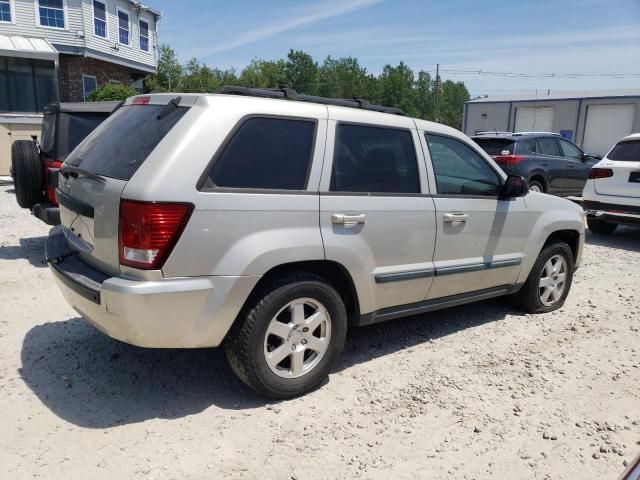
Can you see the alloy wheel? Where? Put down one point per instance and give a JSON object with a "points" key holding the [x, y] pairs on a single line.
{"points": [[553, 280]]}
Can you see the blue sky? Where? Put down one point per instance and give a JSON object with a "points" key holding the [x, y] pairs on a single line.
{"points": [[528, 36]]}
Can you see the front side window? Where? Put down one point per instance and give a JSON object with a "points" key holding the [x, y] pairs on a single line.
{"points": [[548, 146], [123, 27], [569, 149], [266, 153], [375, 160], [99, 19], [51, 13], [5, 11], [89, 84], [459, 170], [144, 36]]}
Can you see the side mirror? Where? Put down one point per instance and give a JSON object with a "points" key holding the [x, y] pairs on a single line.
{"points": [[514, 186]]}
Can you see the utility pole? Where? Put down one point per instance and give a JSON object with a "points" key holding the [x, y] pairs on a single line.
{"points": [[437, 94]]}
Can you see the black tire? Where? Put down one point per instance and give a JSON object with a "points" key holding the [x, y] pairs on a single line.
{"points": [[528, 298], [245, 342], [600, 227], [27, 172], [536, 184]]}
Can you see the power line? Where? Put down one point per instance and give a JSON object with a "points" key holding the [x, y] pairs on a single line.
{"points": [[540, 75]]}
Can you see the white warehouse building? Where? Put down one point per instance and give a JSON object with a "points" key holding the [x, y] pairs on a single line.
{"points": [[594, 120]]}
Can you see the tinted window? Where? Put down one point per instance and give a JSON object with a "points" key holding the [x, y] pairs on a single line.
{"points": [[266, 153], [528, 146], [374, 159], [548, 146], [626, 151], [569, 149], [496, 146], [47, 136], [123, 142], [459, 170]]}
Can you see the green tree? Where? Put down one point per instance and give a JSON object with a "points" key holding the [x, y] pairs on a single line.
{"points": [[343, 78], [263, 74], [110, 92], [451, 105], [397, 88], [301, 72], [169, 73]]}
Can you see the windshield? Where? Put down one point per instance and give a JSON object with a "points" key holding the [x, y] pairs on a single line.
{"points": [[120, 145], [496, 146], [626, 152]]}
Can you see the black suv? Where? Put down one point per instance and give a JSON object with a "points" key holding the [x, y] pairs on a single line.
{"points": [[552, 164], [34, 166]]}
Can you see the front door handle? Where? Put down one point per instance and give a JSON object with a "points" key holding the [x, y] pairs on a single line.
{"points": [[348, 219], [455, 217]]}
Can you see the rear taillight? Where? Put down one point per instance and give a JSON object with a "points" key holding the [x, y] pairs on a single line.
{"points": [[50, 180], [596, 173], [149, 231], [508, 159]]}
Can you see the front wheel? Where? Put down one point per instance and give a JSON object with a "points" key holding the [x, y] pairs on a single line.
{"points": [[601, 228], [286, 341], [549, 281]]}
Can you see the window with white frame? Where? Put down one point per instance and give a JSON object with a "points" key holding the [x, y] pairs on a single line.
{"points": [[99, 19], [144, 35], [51, 13], [123, 27], [115, 82], [5, 11], [89, 84]]}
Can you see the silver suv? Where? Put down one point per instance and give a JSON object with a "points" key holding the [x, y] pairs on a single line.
{"points": [[270, 224]]}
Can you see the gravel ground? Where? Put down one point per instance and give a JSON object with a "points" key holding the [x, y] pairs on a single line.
{"points": [[480, 391]]}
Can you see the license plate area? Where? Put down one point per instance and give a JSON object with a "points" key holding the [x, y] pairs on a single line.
{"points": [[81, 228]]}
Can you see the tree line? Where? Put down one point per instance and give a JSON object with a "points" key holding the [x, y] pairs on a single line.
{"points": [[418, 94]]}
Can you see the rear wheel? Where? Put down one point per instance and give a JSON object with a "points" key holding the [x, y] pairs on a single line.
{"points": [[285, 343], [536, 186], [600, 227], [27, 172], [549, 281]]}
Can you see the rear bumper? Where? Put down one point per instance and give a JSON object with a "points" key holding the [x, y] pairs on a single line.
{"points": [[613, 213], [168, 313], [47, 212]]}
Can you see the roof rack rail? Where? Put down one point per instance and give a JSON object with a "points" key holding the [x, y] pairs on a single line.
{"points": [[493, 132], [290, 94], [537, 133]]}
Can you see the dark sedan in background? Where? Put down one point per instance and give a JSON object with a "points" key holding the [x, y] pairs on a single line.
{"points": [[552, 164]]}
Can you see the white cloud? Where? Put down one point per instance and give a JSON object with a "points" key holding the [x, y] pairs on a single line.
{"points": [[314, 14]]}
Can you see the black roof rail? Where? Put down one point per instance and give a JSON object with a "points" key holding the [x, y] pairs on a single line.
{"points": [[291, 94]]}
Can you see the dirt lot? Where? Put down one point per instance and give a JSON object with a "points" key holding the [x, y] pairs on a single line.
{"points": [[481, 391]]}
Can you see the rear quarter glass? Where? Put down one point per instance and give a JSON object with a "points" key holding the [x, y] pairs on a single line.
{"points": [[121, 144], [628, 151]]}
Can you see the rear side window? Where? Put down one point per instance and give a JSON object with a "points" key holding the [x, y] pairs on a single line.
{"points": [[548, 146], [626, 152], [496, 146], [47, 138], [266, 153], [121, 144], [374, 159], [569, 149]]}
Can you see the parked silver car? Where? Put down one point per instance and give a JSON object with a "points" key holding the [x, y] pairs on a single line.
{"points": [[269, 224]]}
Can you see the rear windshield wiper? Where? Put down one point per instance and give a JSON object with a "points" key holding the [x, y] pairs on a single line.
{"points": [[81, 171], [169, 107]]}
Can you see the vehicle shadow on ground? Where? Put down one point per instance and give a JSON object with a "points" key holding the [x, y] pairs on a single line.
{"points": [[10, 191], [5, 182], [31, 249], [624, 238], [93, 381]]}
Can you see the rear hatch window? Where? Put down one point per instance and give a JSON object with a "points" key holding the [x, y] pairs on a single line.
{"points": [[120, 145], [496, 146], [626, 152]]}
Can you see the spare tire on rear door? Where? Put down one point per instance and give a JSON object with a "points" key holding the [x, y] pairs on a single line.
{"points": [[27, 172]]}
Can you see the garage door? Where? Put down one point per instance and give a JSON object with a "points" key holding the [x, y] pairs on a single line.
{"points": [[534, 119], [606, 124]]}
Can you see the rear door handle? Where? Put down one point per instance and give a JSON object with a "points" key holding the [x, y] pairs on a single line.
{"points": [[455, 217], [348, 219]]}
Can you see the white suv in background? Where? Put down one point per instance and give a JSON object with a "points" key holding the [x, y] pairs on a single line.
{"points": [[611, 195]]}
